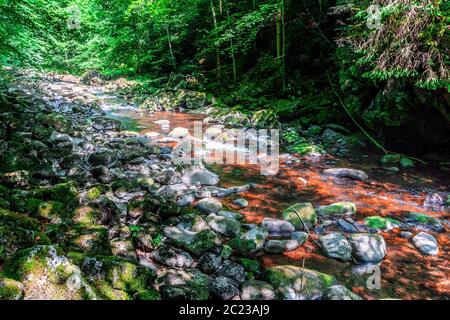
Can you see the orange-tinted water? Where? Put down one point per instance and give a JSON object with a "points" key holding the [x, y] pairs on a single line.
{"points": [[405, 273]]}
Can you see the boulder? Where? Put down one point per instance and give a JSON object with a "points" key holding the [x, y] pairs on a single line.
{"points": [[48, 275], [232, 270], [241, 202], [224, 288], [257, 290], [368, 248], [171, 257], [209, 205], [280, 246], [188, 284], [336, 246], [348, 173], [296, 283], [426, 243], [339, 208], [301, 213], [249, 242], [339, 292], [179, 133], [200, 176], [277, 227], [210, 263], [225, 226]]}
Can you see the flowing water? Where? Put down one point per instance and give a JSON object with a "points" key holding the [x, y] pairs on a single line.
{"points": [[405, 273]]}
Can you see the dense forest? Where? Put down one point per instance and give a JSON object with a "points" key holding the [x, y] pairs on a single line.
{"points": [[97, 95], [314, 60]]}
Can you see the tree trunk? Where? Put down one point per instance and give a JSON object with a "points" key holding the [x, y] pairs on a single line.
{"points": [[233, 55], [218, 63], [172, 56]]}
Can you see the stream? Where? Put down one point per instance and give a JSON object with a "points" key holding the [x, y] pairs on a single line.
{"points": [[405, 272]]}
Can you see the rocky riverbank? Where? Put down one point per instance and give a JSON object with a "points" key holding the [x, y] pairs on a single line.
{"points": [[91, 211]]}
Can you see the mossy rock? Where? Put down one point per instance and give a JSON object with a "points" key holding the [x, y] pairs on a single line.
{"points": [[339, 208], [10, 289], [296, 283], [148, 295], [51, 209], [381, 223], [424, 219], [64, 193], [406, 162], [250, 242], [89, 241], [46, 274], [306, 213], [120, 274], [203, 241], [93, 194], [126, 185], [18, 232], [391, 159], [187, 284]]}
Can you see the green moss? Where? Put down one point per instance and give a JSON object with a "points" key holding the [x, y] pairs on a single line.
{"points": [[205, 240], [339, 208], [381, 223], [306, 213], [51, 209], [148, 295], [64, 193], [252, 266], [93, 194], [406, 162], [391, 159], [10, 289]]}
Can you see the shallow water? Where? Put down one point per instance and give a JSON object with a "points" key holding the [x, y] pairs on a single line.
{"points": [[405, 273]]}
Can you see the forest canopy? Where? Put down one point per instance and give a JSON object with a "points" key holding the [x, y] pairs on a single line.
{"points": [[277, 58]]}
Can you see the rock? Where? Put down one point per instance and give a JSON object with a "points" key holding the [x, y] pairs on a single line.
{"points": [[425, 220], [179, 133], [206, 240], [241, 202], [200, 176], [225, 226], [10, 289], [171, 257], [406, 162], [339, 208], [390, 159], [257, 290], [249, 242], [123, 248], [381, 223], [210, 263], [305, 211], [280, 246], [406, 234], [179, 236], [368, 248], [167, 177], [188, 284], [336, 246], [339, 292], [232, 270], [426, 243], [105, 124], [347, 226], [103, 158], [436, 200], [17, 179], [209, 205], [224, 288], [230, 215], [115, 277], [296, 283], [348, 173], [277, 227], [47, 275]]}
